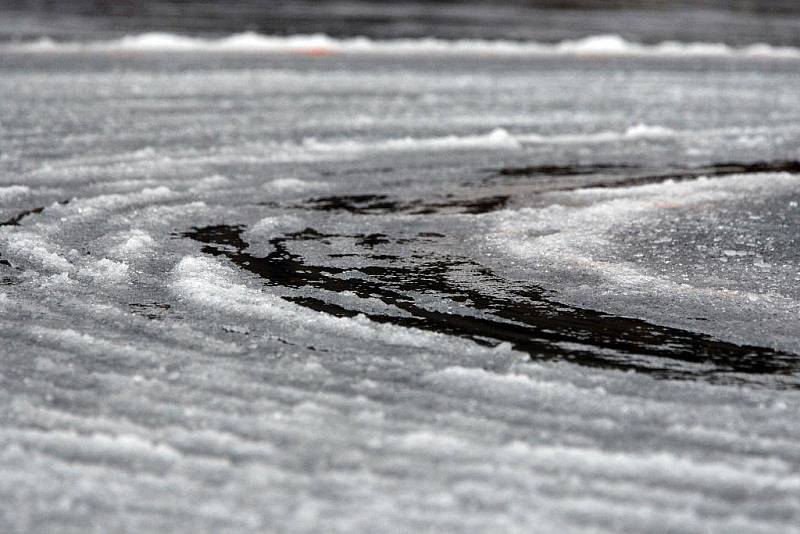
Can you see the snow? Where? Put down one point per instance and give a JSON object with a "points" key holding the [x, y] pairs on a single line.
{"points": [[292, 185], [319, 45], [497, 138], [12, 192], [215, 322], [208, 285], [643, 131], [276, 226], [133, 243], [37, 250], [105, 271]]}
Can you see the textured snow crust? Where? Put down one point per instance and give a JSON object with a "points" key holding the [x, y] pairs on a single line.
{"points": [[150, 383]]}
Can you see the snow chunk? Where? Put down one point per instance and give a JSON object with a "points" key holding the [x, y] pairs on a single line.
{"points": [[135, 243], [270, 226], [643, 131], [36, 249], [13, 191], [496, 139], [105, 271], [211, 182], [94, 206], [293, 185], [632, 133]]}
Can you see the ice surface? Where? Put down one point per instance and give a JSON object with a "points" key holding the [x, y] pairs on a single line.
{"points": [[275, 293], [630, 248]]}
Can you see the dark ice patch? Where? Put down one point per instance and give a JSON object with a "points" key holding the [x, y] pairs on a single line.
{"points": [[622, 175], [493, 310], [150, 310], [560, 170], [383, 204]]}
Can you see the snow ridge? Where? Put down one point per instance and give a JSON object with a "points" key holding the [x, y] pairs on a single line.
{"points": [[320, 44]]}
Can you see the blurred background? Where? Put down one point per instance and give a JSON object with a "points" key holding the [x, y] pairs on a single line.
{"points": [[732, 21]]}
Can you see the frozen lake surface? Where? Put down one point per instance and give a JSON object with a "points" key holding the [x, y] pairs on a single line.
{"points": [[334, 285]]}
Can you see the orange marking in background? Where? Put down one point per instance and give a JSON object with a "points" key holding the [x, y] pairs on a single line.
{"points": [[316, 52]]}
